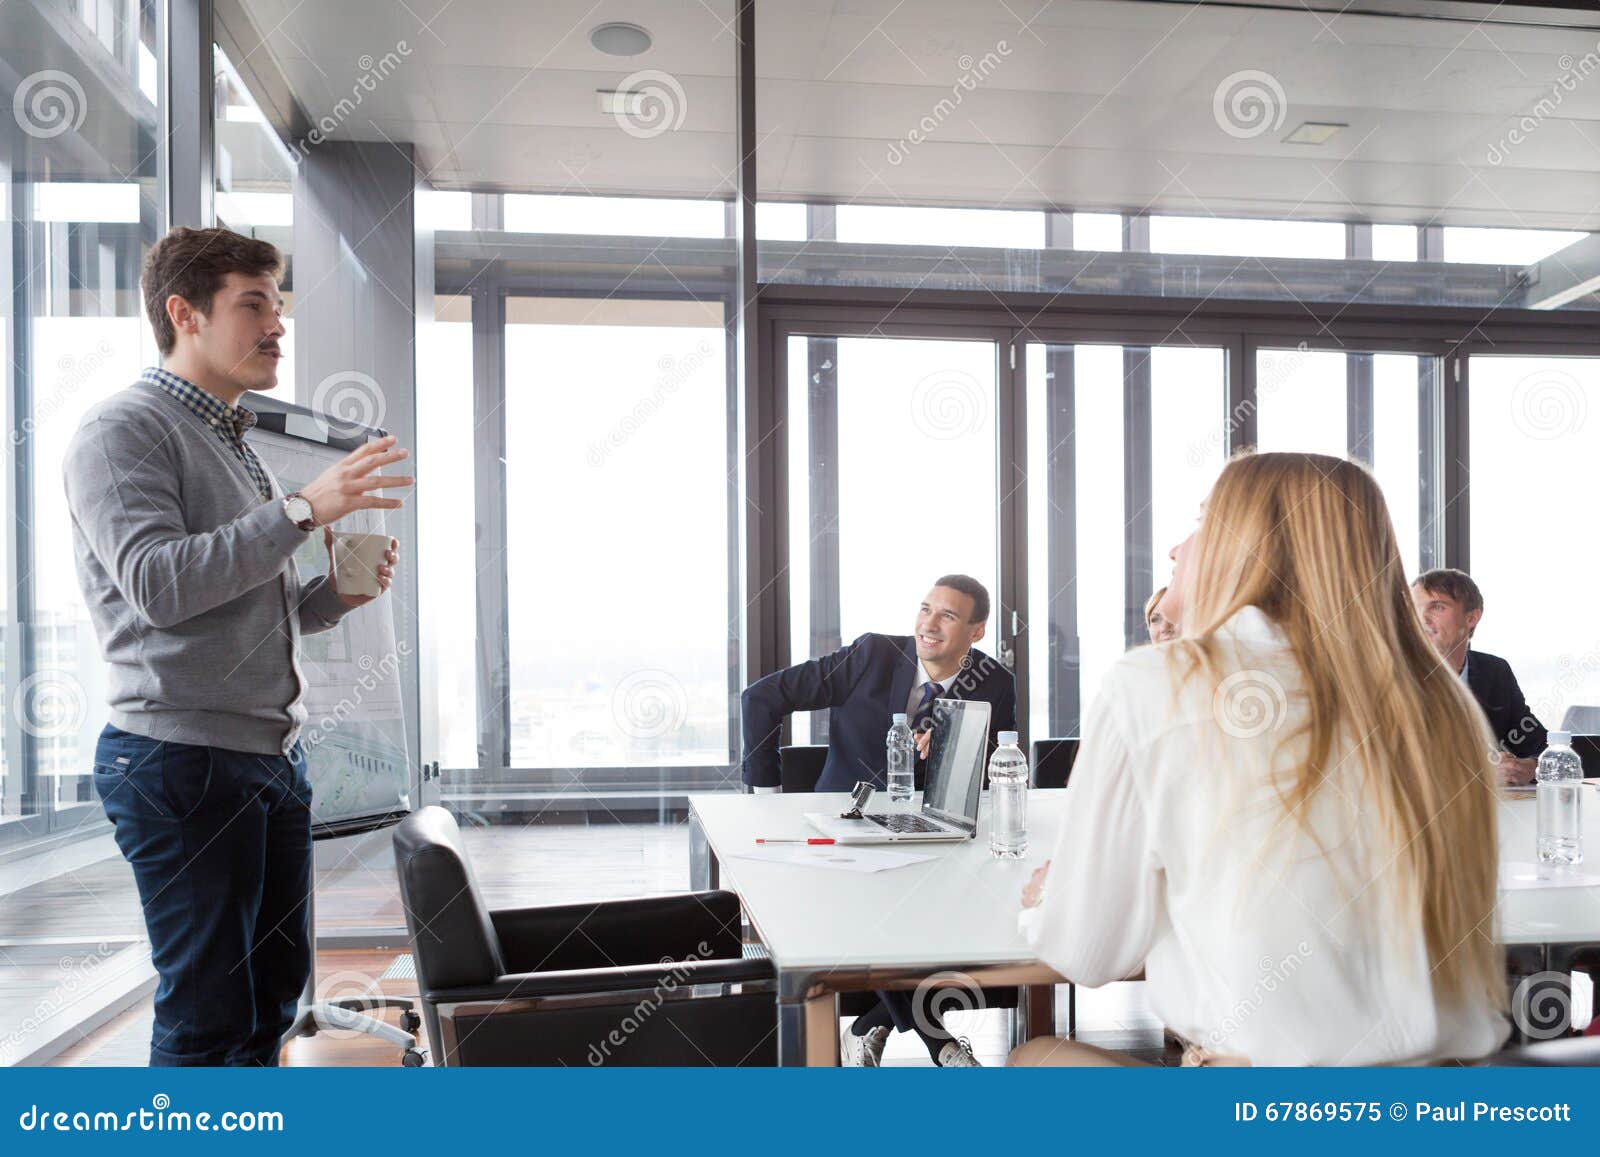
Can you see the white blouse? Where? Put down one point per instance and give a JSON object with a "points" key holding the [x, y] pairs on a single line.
{"points": [[1176, 856]]}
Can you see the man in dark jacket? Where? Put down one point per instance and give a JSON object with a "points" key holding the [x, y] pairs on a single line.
{"points": [[865, 685], [1451, 606], [870, 680]]}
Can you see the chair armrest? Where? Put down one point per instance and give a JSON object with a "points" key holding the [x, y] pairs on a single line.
{"points": [[644, 930], [665, 977]]}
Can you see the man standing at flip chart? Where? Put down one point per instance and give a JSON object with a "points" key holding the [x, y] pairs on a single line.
{"points": [[185, 548]]}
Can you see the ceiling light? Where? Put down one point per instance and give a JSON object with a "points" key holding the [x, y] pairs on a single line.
{"points": [[621, 104], [1313, 133], [619, 39]]}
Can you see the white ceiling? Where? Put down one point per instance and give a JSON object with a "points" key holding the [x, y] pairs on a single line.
{"points": [[1093, 104]]}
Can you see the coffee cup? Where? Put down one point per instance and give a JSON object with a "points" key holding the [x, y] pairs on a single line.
{"points": [[356, 559]]}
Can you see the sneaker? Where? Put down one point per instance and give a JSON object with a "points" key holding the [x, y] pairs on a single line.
{"points": [[864, 1051], [957, 1054]]}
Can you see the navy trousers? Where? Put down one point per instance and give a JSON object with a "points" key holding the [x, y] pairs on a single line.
{"points": [[220, 844]]}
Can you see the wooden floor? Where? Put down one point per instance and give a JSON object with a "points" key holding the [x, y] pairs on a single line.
{"points": [[1113, 1017]]}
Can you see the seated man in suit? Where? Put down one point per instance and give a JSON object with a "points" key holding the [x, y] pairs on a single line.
{"points": [[864, 685], [1451, 605]]}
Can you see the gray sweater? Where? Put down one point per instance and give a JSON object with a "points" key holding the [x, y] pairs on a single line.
{"points": [[189, 578]]}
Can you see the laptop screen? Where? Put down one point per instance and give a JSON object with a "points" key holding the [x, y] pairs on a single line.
{"points": [[955, 769]]}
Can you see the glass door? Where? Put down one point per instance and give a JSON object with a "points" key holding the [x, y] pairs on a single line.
{"points": [[1123, 442], [1379, 408], [894, 452]]}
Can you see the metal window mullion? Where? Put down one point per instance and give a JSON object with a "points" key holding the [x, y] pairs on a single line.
{"points": [[1455, 515], [1358, 378], [1011, 479], [187, 140], [822, 420], [489, 484], [1430, 455], [1138, 483], [763, 514], [1061, 546], [21, 771]]}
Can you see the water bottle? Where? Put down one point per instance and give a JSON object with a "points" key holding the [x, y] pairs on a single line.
{"points": [[1560, 782], [1008, 799], [902, 759]]}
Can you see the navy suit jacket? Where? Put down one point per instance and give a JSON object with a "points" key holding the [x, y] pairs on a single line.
{"points": [[1514, 724], [864, 684]]}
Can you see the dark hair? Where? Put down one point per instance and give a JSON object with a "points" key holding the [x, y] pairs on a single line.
{"points": [[1456, 584], [974, 590], [192, 263]]}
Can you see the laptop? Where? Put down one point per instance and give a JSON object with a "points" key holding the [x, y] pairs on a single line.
{"points": [[950, 800]]}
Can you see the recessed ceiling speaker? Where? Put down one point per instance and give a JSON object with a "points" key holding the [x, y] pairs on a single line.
{"points": [[618, 39]]}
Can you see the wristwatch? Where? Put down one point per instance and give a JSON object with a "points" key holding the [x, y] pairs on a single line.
{"points": [[299, 511]]}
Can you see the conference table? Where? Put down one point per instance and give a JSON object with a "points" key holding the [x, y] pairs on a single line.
{"points": [[951, 921]]}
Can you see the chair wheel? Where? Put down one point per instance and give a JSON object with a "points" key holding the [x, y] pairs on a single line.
{"points": [[410, 1021], [413, 1058]]}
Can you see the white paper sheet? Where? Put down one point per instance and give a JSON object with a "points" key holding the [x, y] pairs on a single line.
{"points": [[1516, 875], [839, 857]]}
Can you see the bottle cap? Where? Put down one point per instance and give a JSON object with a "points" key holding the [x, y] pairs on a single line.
{"points": [[1008, 737], [1561, 738], [899, 717]]}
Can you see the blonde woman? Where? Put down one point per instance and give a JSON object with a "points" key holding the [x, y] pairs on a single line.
{"points": [[1162, 629], [1286, 818]]}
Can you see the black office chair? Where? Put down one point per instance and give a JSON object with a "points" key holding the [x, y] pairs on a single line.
{"points": [[800, 766], [659, 980], [1053, 760], [1588, 749]]}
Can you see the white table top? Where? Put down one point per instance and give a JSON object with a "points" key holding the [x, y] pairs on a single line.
{"points": [[960, 908]]}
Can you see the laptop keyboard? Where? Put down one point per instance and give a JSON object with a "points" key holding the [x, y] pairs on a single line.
{"points": [[900, 824]]}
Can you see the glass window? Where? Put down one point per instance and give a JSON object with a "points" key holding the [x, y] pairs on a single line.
{"points": [[1081, 535], [1305, 401], [255, 186], [892, 483], [83, 184], [911, 225], [1394, 242], [1534, 445], [615, 216], [1097, 231], [780, 221], [617, 426], [1504, 246], [1237, 237], [448, 567]]}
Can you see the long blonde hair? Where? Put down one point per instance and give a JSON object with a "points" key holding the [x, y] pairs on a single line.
{"points": [[1307, 539]]}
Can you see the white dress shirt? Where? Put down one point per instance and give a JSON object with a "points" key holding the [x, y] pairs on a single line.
{"points": [[1176, 856]]}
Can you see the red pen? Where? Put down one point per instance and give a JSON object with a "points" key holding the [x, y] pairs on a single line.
{"points": [[812, 840]]}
